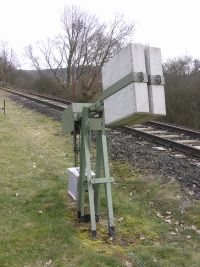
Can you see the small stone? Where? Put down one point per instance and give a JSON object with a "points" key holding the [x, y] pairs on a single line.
{"points": [[188, 236], [191, 193], [179, 156], [17, 194], [160, 148], [130, 194], [111, 238], [168, 212], [176, 223], [178, 197]]}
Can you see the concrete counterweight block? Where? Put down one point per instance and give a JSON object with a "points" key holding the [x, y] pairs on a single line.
{"points": [[128, 104], [156, 91]]}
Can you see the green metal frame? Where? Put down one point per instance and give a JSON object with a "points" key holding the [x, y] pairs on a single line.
{"points": [[91, 121]]}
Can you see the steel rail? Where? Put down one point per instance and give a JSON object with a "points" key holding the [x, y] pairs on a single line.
{"points": [[48, 101], [47, 97], [190, 150], [176, 128]]}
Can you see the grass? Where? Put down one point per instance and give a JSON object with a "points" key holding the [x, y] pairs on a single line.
{"points": [[156, 225]]}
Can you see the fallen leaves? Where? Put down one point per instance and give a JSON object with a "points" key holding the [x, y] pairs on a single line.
{"points": [[158, 214], [34, 165], [173, 233], [40, 211], [49, 262], [128, 264], [168, 221], [142, 237], [120, 219]]}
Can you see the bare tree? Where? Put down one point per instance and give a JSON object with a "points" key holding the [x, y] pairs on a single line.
{"points": [[182, 77], [75, 57], [7, 62]]}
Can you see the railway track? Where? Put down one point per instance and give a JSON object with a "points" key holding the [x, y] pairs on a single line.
{"points": [[177, 137], [44, 100]]}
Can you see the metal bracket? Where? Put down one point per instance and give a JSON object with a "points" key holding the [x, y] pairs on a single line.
{"points": [[156, 80], [102, 180], [126, 80]]}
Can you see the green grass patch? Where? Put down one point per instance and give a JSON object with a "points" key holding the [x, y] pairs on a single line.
{"points": [[155, 224]]}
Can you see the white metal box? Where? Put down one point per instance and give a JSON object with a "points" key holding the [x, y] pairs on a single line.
{"points": [[73, 178], [131, 102]]}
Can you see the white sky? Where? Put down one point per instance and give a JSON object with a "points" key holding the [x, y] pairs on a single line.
{"points": [[172, 25]]}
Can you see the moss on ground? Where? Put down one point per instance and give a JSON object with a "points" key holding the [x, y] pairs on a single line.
{"points": [[156, 225]]}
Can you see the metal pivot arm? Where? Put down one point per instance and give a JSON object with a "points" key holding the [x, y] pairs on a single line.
{"points": [[88, 182]]}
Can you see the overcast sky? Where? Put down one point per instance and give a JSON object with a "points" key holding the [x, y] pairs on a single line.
{"points": [[172, 25]]}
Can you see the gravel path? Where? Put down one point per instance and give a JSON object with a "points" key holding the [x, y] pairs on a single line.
{"points": [[142, 154]]}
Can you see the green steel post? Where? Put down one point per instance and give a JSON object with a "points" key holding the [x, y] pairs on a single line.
{"points": [[89, 170], [98, 174], [81, 184], [108, 191], [102, 176]]}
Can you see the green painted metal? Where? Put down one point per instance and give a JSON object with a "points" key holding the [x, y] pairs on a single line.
{"points": [[87, 120], [126, 80], [102, 180], [70, 115], [133, 77], [68, 120]]}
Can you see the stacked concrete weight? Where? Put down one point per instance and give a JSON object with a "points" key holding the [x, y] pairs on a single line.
{"points": [[156, 91], [134, 102]]}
